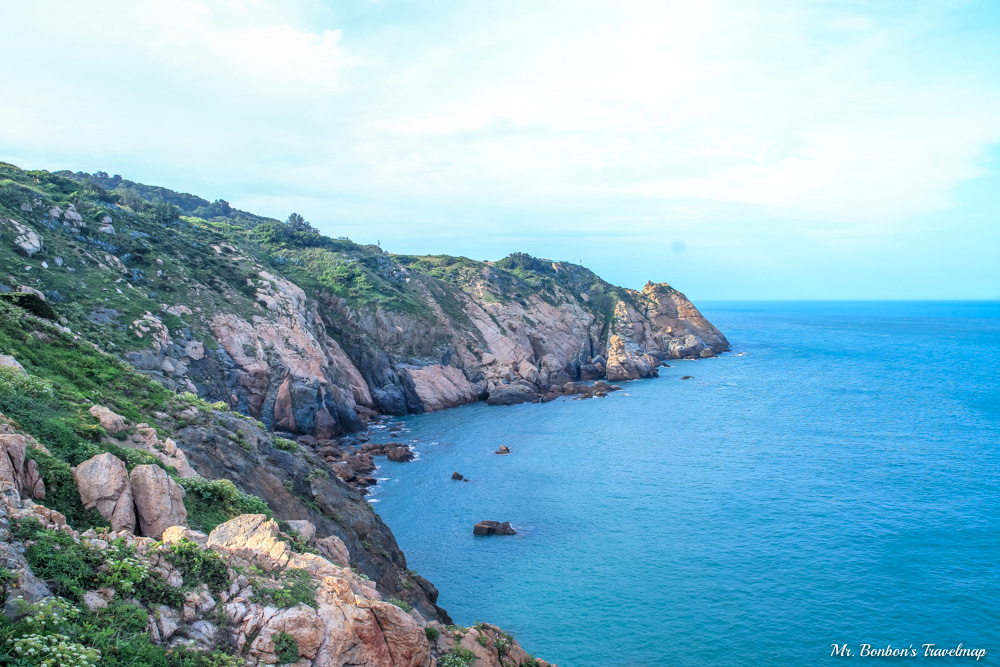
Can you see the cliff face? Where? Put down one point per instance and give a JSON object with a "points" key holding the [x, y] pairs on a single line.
{"points": [[308, 334]]}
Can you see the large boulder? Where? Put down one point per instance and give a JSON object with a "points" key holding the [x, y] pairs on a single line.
{"points": [[159, 500], [400, 454], [621, 365], [7, 361], [104, 484], [514, 393], [334, 550], [110, 422], [252, 538]]}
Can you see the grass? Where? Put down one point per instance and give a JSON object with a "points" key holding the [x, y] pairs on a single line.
{"points": [[296, 588]]}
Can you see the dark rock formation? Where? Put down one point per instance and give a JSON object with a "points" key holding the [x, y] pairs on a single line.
{"points": [[493, 528]]}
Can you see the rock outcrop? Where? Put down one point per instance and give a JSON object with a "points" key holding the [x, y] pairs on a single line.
{"points": [[159, 500], [493, 528], [104, 484]]}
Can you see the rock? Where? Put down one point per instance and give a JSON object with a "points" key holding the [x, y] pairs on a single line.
{"points": [[110, 422], [252, 538], [513, 394], [94, 601], [687, 377], [503, 451], [7, 361], [305, 529], [159, 500], [457, 476], [493, 528], [400, 454], [103, 482], [334, 550], [175, 534], [26, 239], [195, 350], [621, 364]]}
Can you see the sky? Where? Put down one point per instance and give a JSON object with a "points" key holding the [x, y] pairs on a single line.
{"points": [[735, 149]]}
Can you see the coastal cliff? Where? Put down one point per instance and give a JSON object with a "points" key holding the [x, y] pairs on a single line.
{"points": [[310, 334], [167, 361]]}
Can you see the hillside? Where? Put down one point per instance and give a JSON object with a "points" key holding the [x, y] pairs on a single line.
{"points": [[165, 360]]}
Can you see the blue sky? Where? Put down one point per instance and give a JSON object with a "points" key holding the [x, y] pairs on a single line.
{"points": [[738, 150]]}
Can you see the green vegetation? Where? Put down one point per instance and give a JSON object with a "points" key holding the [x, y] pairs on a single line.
{"points": [[458, 657], [286, 445], [296, 588], [211, 502], [56, 632], [198, 567], [402, 604], [432, 633], [286, 647]]}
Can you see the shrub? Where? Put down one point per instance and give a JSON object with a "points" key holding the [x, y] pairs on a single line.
{"points": [[123, 570], [405, 606], [297, 588], [432, 633], [54, 649], [286, 647], [459, 657], [211, 502], [198, 566], [68, 567], [286, 445], [16, 382]]}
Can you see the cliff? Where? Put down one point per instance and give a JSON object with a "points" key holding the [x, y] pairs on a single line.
{"points": [[169, 362], [304, 332]]}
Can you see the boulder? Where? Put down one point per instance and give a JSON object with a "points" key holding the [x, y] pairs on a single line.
{"points": [[104, 484], [175, 534], [400, 454], [7, 361], [493, 528], [503, 451], [110, 422], [514, 393], [159, 500], [621, 365], [26, 239], [456, 476], [305, 529], [334, 550], [687, 377], [252, 538]]}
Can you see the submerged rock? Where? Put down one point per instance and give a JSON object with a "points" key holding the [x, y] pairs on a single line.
{"points": [[503, 451], [456, 476]]}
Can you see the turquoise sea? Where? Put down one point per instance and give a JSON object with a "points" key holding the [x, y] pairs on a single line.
{"points": [[834, 479]]}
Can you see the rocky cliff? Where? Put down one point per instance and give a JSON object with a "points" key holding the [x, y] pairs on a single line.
{"points": [[169, 364], [308, 334]]}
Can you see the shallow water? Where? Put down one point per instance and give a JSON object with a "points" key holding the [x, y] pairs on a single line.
{"points": [[837, 483]]}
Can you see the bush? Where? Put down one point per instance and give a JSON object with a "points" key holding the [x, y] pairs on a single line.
{"points": [[459, 657], [286, 647], [405, 606], [211, 502], [198, 566], [432, 633], [68, 567], [297, 588], [286, 445]]}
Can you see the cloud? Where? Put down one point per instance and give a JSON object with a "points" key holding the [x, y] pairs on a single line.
{"points": [[727, 123]]}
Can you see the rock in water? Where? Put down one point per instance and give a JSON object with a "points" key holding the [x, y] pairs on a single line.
{"points": [[457, 476], [400, 454], [493, 528], [503, 451], [688, 377]]}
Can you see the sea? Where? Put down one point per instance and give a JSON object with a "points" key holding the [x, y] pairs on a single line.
{"points": [[832, 483]]}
